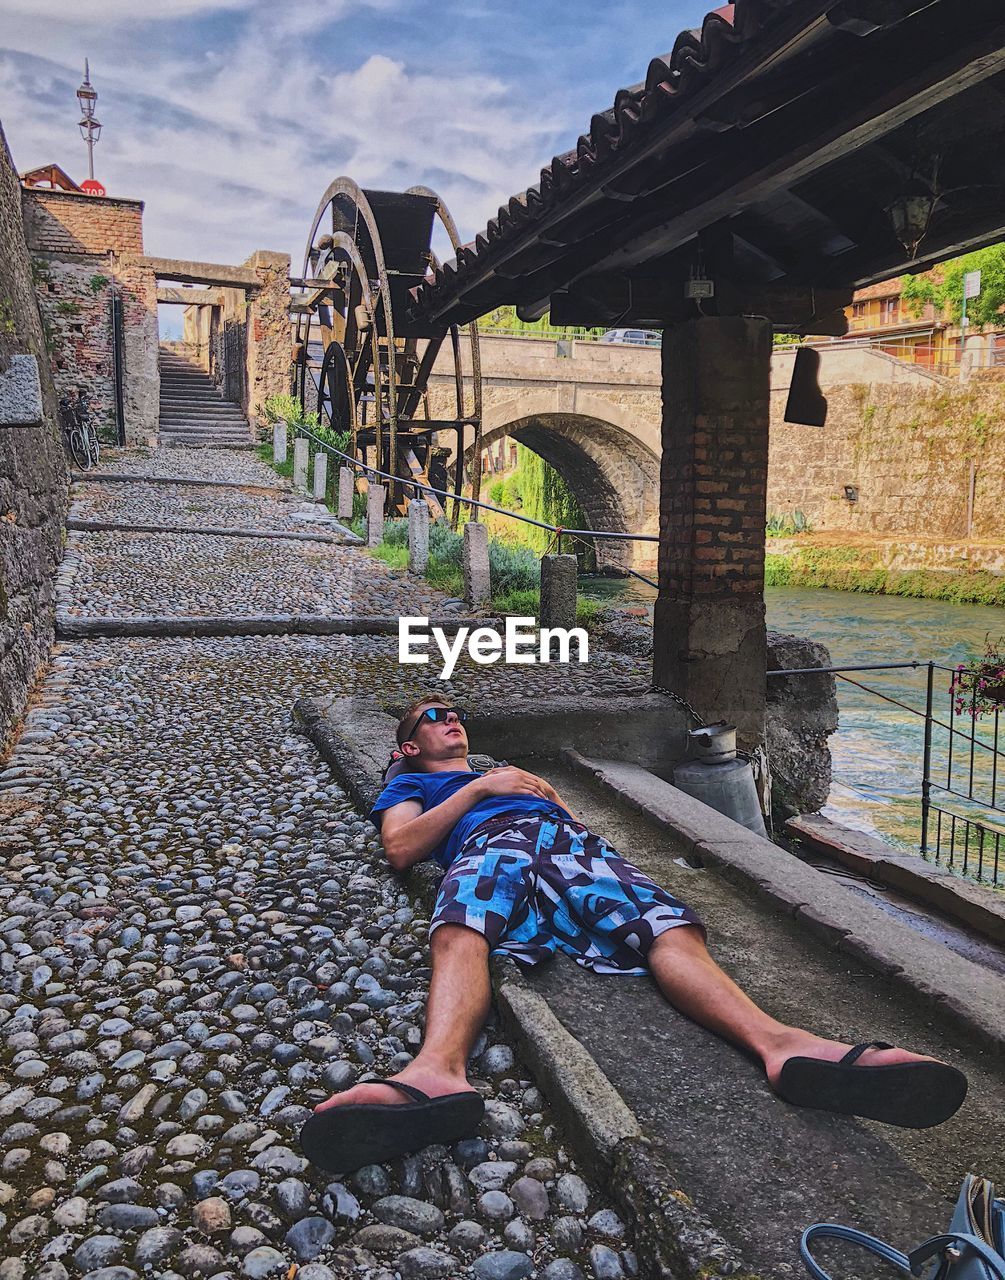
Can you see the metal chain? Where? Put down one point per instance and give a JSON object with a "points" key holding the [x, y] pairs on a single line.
{"points": [[683, 702], [658, 688]]}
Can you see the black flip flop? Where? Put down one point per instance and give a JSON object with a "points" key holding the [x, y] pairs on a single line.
{"points": [[345, 1138], [914, 1095]]}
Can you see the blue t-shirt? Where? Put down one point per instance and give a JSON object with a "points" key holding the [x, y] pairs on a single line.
{"points": [[431, 789]]}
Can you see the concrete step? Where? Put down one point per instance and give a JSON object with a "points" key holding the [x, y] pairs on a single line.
{"points": [[193, 394], [205, 433], [196, 401], [222, 442], [208, 413], [199, 427], [180, 442], [190, 388], [221, 411]]}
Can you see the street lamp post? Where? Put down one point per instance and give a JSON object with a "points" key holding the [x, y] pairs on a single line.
{"points": [[90, 126]]}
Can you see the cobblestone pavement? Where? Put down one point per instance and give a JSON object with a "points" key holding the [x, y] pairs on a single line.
{"points": [[128, 575], [197, 507], [199, 940], [236, 466]]}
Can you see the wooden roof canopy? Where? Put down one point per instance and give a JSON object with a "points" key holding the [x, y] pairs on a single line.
{"points": [[763, 153]]}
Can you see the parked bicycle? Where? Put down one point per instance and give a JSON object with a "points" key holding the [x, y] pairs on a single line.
{"points": [[79, 434]]}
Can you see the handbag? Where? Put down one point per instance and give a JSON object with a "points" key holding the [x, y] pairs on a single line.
{"points": [[973, 1247]]}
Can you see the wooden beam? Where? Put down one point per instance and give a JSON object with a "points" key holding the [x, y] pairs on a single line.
{"points": [[190, 297], [209, 273], [891, 81], [653, 300], [857, 112]]}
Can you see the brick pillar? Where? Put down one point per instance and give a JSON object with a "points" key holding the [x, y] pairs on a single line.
{"points": [[709, 637]]}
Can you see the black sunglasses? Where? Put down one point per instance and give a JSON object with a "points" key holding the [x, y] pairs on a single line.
{"points": [[437, 715]]}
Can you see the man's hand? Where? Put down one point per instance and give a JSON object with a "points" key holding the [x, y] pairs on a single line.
{"points": [[508, 780]]}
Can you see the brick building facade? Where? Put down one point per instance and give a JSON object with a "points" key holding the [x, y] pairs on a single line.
{"points": [[87, 257]]}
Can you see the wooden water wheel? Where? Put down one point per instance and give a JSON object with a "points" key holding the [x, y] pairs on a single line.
{"points": [[361, 361]]}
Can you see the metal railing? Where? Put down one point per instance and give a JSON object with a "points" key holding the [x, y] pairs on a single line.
{"points": [[417, 487], [963, 838]]}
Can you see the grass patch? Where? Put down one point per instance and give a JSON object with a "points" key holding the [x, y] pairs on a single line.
{"points": [[515, 570], [264, 451], [852, 569]]}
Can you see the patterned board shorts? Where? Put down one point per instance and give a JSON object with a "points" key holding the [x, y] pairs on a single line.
{"points": [[534, 885]]}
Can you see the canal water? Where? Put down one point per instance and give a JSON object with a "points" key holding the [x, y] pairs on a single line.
{"points": [[878, 747]]}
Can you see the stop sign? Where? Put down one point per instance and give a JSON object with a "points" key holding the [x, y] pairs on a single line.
{"points": [[92, 186]]}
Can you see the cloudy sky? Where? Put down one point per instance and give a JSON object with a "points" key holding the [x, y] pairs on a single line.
{"points": [[230, 117]]}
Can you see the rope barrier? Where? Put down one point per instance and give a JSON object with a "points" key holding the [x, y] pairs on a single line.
{"points": [[472, 502]]}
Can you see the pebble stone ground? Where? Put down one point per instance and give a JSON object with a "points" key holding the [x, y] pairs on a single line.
{"points": [[199, 940]]}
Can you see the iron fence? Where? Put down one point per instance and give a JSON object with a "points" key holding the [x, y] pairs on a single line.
{"points": [[961, 831], [968, 836]]}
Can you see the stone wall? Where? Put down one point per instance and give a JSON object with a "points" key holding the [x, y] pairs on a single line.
{"points": [[269, 346], [33, 481], [84, 249], [75, 296], [926, 461], [245, 342]]}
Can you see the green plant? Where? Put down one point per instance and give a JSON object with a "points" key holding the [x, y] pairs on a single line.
{"points": [[783, 526], [67, 308], [337, 439], [943, 288], [288, 409], [283, 468], [97, 283]]}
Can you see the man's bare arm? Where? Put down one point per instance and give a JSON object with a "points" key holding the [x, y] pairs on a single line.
{"points": [[410, 834]]}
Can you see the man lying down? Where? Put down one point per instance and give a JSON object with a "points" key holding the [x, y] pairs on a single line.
{"points": [[523, 879]]}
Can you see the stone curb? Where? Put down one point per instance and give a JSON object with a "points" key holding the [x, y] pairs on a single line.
{"points": [[973, 904], [114, 477], [969, 995], [69, 627], [348, 539], [675, 1241], [172, 441]]}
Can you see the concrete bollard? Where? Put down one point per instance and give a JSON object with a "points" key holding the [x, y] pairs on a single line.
{"points": [[375, 495], [279, 441], [418, 535], [477, 578], [558, 591], [320, 475], [300, 460], [346, 488]]}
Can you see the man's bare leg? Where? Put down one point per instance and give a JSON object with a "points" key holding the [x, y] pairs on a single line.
{"points": [[693, 983], [458, 1005]]}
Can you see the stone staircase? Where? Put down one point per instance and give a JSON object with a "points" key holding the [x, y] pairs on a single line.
{"points": [[192, 410]]}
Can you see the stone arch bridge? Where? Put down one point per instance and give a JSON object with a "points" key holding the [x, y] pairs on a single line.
{"points": [[594, 414]]}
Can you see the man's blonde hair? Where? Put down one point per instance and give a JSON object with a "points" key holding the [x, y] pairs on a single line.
{"points": [[407, 720]]}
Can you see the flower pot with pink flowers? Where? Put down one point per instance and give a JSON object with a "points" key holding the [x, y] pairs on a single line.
{"points": [[978, 689]]}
